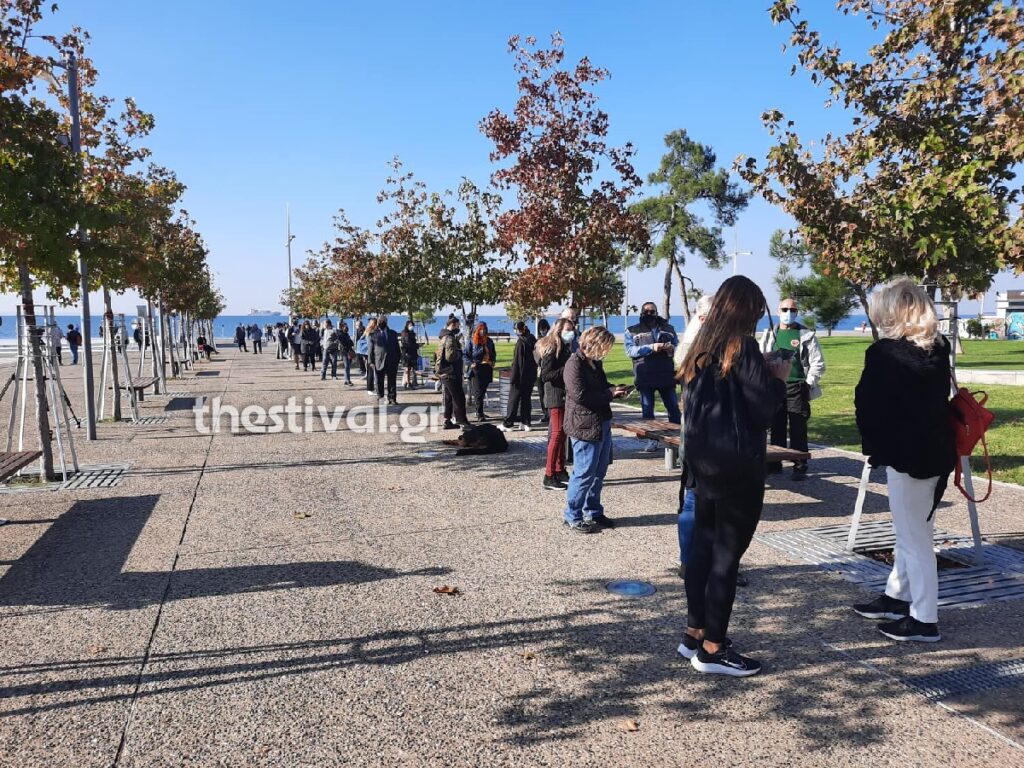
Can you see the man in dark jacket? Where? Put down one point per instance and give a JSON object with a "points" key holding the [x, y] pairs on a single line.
{"points": [[385, 355], [521, 380], [240, 338], [650, 344], [448, 365]]}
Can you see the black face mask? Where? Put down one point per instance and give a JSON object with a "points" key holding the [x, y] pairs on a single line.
{"points": [[649, 317]]}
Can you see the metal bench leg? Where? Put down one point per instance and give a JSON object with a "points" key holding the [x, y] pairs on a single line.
{"points": [[858, 508], [141, 395], [671, 454], [972, 510]]}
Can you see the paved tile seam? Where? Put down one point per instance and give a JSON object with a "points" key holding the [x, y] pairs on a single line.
{"points": [[917, 692], [159, 613]]}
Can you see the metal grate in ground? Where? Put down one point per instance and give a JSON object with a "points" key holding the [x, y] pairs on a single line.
{"points": [[967, 680], [146, 421], [177, 394], [1000, 578], [100, 476]]}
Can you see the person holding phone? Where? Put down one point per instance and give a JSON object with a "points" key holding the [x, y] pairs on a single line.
{"points": [[650, 344], [588, 423], [732, 395]]}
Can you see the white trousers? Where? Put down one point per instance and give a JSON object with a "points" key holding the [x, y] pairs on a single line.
{"points": [[914, 576]]}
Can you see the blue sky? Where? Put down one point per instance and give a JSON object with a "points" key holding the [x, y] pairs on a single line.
{"points": [[259, 104]]}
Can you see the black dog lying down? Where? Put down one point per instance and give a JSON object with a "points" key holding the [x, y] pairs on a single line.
{"points": [[480, 441]]}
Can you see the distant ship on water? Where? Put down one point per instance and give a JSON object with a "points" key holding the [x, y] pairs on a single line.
{"points": [[262, 313]]}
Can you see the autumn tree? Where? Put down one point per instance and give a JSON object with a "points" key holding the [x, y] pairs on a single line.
{"points": [[923, 182], [350, 270], [407, 279], [40, 193], [572, 189], [687, 176], [463, 249]]}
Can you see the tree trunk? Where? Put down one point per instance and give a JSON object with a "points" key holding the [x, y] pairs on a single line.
{"points": [[862, 297], [35, 350], [666, 307], [682, 291], [108, 334]]}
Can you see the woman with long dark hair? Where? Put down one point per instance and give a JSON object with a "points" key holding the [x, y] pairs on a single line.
{"points": [[732, 395]]}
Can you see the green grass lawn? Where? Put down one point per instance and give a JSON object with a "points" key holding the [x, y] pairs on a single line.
{"points": [[832, 422]]}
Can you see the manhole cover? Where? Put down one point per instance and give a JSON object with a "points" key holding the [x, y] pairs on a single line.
{"points": [[631, 588]]}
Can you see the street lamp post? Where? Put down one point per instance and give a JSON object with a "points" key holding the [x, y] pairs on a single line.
{"points": [[83, 267], [288, 246]]}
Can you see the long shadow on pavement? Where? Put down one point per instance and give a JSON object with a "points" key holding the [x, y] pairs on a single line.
{"points": [[78, 561]]}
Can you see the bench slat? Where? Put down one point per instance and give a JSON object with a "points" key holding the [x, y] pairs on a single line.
{"points": [[668, 434], [13, 461]]}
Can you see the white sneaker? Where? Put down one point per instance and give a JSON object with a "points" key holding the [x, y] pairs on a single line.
{"points": [[503, 428], [526, 427], [651, 447]]}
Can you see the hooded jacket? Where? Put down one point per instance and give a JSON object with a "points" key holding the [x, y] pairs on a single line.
{"points": [[524, 367], [902, 404]]}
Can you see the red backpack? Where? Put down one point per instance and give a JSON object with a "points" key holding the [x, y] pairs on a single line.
{"points": [[970, 419]]}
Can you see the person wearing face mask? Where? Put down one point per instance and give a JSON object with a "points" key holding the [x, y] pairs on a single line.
{"points": [[650, 344], [588, 422], [521, 380], [802, 385]]}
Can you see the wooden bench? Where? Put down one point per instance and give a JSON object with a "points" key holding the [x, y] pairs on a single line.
{"points": [[12, 462], [140, 385], [667, 434]]}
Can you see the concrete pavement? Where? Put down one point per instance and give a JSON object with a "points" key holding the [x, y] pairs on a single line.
{"points": [[268, 600]]}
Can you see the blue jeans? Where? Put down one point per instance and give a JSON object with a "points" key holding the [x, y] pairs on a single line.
{"points": [[685, 524], [668, 397], [348, 367], [74, 353], [591, 459]]}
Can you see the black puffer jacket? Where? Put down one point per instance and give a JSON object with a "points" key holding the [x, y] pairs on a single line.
{"points": [[725, 424], [588, 400], [902, 403], [552, 366]]}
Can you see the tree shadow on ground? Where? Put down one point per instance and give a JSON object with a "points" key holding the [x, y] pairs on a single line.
{"points": [[608, 659], [78, 561]]}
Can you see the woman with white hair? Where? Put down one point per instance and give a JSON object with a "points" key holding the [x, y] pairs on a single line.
{"points": [[902, 403]]}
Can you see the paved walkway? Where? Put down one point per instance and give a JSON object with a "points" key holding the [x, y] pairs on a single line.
{"points": [[268, 600]]}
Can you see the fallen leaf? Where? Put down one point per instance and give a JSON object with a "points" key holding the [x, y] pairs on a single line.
{"points": [[446, 590], [529, 655], [96, 650], [265, 750], [395, 488], [301, 515], [630, 725]]}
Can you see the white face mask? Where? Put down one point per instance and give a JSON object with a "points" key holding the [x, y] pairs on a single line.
{"points": [[788, 316]]}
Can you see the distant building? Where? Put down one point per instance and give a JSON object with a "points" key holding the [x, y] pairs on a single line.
{"points": [[1010, 309]]}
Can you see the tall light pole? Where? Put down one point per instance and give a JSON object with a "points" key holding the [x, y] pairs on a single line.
{"points": [[288, 247], [736, 252], [83, 267]]}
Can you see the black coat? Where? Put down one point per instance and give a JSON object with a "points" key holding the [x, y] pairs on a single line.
{"points": [[588, 400], [524, 367], [902, 403], [310, 340], [725, 424], [552, 365]]}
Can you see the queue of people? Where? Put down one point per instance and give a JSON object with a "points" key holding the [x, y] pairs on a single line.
{"points": [[738, 394]]}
